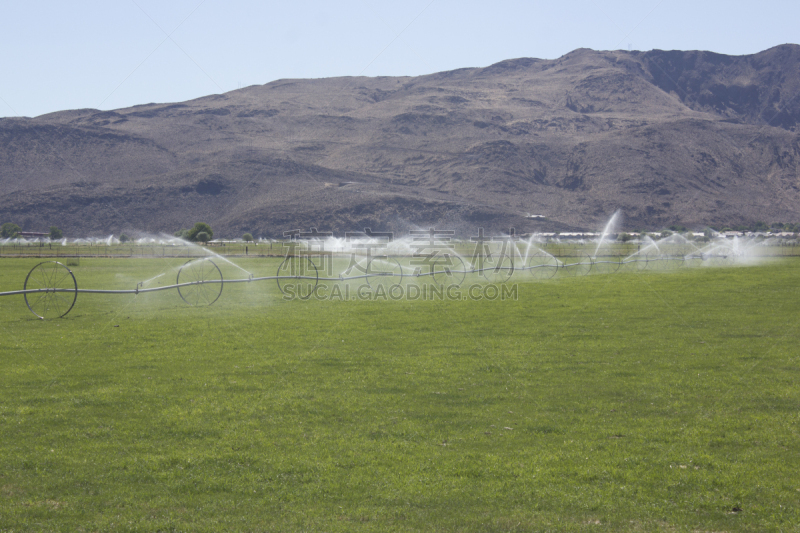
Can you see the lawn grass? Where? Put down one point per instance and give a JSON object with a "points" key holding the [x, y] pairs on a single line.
{"points": [[633, 401]]}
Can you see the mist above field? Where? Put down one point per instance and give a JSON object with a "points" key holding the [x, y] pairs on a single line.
{"points": [[693, 138]]}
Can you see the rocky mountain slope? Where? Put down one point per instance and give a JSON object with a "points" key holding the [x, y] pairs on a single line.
{"points": [[693, 138]]}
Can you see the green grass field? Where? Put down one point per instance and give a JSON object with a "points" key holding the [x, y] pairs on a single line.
{"points": [[636, 401]]}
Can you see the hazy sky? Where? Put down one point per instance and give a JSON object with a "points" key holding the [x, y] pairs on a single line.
{"points": [[108, 54]]}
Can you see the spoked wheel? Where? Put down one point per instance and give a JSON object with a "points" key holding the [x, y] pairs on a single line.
{"points": [[656, 261], [498, 268], [298, 277], [384, 271], [449, 270], [56, 290], [205, 279], [605, 265], [635, 263], [578, 265], [542, 265]]}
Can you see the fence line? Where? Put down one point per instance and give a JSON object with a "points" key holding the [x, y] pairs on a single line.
{"points": [[277, 249]]}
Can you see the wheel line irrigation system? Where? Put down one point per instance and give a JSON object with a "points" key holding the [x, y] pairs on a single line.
{"points": [[51, 289]]}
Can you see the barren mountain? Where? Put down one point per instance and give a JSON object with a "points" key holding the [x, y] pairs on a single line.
{"points": [[693, 138]]}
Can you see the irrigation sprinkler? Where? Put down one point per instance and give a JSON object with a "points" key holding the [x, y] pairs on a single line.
{"points": [[721, 256], [51, 289], [635, 262]]}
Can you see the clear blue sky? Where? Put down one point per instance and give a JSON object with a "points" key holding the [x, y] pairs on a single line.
{"points": [[108, 54]]}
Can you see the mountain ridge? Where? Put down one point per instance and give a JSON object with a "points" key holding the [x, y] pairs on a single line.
{"points": [[691, 137]]}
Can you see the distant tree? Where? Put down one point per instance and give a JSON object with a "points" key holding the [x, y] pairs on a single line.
{"points": [[202, 237], [182, 234], [56, 234], [9, 230], [124, 238], [665, 234], [197, 229], [247, 237], [624, 237]]}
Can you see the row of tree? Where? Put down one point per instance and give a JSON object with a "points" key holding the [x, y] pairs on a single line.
{"points": [[200, 232], [9, 230], [763, 227]]}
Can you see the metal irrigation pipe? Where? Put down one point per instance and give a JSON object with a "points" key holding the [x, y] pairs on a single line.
{"points": [[43, 306], [268, 278]]}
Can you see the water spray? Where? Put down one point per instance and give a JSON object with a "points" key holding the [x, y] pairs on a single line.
{"points": [[51, 289]]}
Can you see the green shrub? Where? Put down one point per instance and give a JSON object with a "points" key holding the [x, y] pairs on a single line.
{"points": [[56, 234], [9, 230], [201, 227]]}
